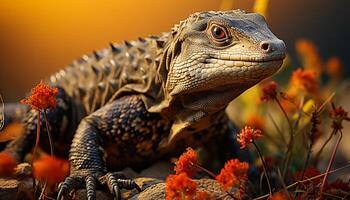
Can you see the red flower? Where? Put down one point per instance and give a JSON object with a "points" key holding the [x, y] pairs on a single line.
{"points": [[269, 91], [338, 114], [187, 162], [7, 164], [42, 97], [52, 169], [305, 80], [247, 135], [180, 186], [233, 174]]}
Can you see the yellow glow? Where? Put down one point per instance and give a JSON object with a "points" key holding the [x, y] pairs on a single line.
{"points": [[260, 6]]}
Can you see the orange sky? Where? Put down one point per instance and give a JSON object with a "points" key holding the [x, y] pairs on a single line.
{"points": [[38, 37]]}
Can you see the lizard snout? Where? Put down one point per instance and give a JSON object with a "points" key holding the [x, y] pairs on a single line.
{"points": [[273, 46]]}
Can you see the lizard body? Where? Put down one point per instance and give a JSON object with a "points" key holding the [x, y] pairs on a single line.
{"points": [[133, 103]]}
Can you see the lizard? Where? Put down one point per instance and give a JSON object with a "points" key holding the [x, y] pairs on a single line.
{"points": [[136, 102]]}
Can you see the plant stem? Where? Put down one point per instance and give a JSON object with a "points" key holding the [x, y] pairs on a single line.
{"points": [[264, 167], [2, 113], [49, 134], [35, 148], [291, 140], [277, 128], [211, 174], [283, 184], [285, 115], [331, 162], [306, 180], [305, 166], [43, 191], [37, 137], [313, 131], [323, 146]]}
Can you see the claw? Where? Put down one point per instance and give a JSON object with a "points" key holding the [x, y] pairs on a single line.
{"points": [[65, 187], [128, 184], [113, 185], [115, 182], [90, 182]]}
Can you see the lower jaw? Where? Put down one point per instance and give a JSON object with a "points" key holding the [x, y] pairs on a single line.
{"points": [[214, 100]]}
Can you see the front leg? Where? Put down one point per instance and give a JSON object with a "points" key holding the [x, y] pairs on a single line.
{"points": [[88, 155]]}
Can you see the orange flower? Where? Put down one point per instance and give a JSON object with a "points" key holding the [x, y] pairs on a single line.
{"points": [[269, 91], [309, 54], [233, 174], [203, 195], [305, 80], [256, 121], [52, 169], [180, 186], [187, 162], [338, 114], [289, 101], [7, 164], [278, 196], [247, 135], [42, 97], [334, 67]]}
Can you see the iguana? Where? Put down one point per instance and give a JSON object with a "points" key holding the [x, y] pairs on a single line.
{"points": [[136, 102]]}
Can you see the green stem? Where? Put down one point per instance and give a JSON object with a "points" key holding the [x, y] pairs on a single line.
{"points": [[264, 167]]}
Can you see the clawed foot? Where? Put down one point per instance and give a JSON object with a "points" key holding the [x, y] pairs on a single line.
{"points": [[115, 182]]}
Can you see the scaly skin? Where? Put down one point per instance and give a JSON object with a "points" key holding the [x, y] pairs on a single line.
{"points": [[137, 102]]}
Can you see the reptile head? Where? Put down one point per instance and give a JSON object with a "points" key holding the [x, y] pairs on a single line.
{"points": [[215, 56]]}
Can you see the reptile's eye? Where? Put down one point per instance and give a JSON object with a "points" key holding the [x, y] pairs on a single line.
{"points": [[218, 33]]}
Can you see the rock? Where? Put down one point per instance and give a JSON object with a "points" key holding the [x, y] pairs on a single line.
{"points": [[16, 189], [100, 195], [159, 170], [126, 194], [8, 188], [157, 191], [151, 181]]}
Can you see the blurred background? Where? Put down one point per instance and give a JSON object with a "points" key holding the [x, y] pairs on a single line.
{"points": [[38, 37]]}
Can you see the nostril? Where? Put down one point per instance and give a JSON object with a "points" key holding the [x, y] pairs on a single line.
{"points": [[265, 46]]}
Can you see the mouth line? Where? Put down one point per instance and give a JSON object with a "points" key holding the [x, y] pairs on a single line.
{"points": [[242, 63], [239, 58]]}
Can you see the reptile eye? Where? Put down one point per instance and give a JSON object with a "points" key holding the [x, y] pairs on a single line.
{"points": [[218, 33]]}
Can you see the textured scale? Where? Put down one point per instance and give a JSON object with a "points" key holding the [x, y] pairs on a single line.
{"points": [[93, 79]]}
